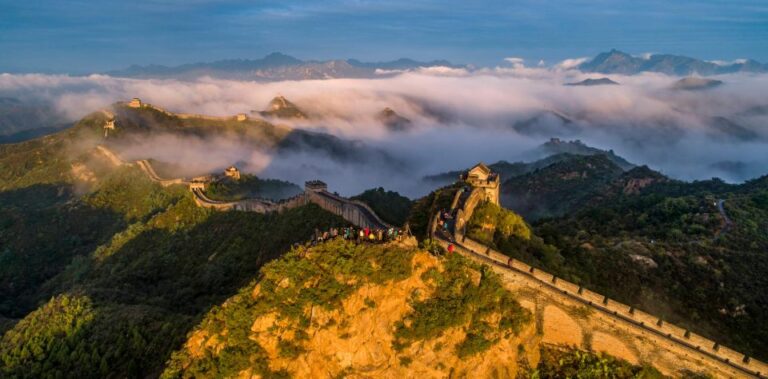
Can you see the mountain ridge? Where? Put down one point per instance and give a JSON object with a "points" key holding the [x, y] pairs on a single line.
{"points": [[619, 62], [278, 66]]}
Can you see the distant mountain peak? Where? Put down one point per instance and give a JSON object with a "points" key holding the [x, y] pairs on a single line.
{"points": [[577, 147], [280, 107], [619, 62], [276, 66], [593, 82], [392, 120], [693, 83]]}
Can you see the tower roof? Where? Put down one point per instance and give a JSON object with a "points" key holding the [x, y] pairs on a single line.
{"points": [[480, 167]]}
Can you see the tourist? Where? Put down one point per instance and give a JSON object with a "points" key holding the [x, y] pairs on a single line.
{"points": [[450, 248]]}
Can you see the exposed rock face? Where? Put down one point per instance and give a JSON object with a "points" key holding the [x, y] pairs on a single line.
{"points": [[280, 107], [633, 186], [359, 338]]}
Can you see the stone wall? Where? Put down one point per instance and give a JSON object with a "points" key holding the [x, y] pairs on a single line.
{"points": [[634, 335], [464, 213], [187, 116], [147, 168], [357, 213]]}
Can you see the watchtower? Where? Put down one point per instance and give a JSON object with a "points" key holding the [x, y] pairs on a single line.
{"points": [[232, 172], [109, 125], [481, 176], [315, 186], [135, 103]]}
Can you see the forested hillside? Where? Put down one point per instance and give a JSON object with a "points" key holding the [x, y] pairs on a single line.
{"points": [[103, 271], [674, 253]]}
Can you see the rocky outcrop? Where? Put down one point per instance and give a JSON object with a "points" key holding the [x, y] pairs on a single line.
{"points": [[280, 107], [393, 121]]}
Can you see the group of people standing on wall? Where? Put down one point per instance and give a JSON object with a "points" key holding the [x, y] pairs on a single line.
{"points": [[446, 221], [361, 234]]}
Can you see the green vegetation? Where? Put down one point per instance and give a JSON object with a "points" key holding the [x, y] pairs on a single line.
{"points": [[72, 337], [561, 187], [143, 263], [320, 276], [490, 219], [507, 232], [675, 256], [556, 363], [389, 205], [251, 186], [664, 240], [32, 339], [425, 208], [461, 300]]}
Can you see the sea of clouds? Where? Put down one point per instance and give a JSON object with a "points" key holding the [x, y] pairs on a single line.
{"points": [[459, 117]]}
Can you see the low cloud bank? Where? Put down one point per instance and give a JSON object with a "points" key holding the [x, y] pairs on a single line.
{"points": [[457, 118]]}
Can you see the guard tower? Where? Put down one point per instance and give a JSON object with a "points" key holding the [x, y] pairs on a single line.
{"points": [[109, 125], [135, 103], [480, 176], [232, 172], [315, 186]]}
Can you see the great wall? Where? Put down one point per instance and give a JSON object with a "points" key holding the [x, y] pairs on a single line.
{"points": [[569, 314], [355, 212], [565, 313]]}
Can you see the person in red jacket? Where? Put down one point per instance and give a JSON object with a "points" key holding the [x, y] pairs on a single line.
{"points": [[450, 248]]}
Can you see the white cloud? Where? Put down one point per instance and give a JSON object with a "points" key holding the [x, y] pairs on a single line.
{"points": [[728, 63], [443, 71], [381, 71], [646, 56], [516, 62], [570, 64], [459, 117]]}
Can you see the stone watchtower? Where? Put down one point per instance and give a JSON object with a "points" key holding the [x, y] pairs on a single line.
{"points": [[232, 172], [109, 125], [135, 103], [480, 176], [315, 186]]}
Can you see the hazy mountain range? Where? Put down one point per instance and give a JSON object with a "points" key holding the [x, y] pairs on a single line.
{"points": [[617, 62], [278, 66]]}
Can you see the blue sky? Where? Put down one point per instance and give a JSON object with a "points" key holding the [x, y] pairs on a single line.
{"points": [[80, 36]]}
